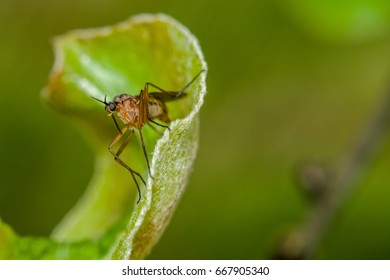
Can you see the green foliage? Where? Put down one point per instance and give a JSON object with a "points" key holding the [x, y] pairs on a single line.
{"points": [[106, 222], [341, 21]]}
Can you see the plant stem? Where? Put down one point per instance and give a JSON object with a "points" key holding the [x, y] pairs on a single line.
{"points": [[301, 244]]}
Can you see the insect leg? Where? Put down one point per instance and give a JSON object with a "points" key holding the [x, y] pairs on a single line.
{"points": [[155, 129], [121, 162], [159, 124], [116, 124], [145, 153], [176, 94], [170, 93], [124, 143]]}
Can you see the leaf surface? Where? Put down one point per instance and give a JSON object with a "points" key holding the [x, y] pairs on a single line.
{"points": [[107, 222]]}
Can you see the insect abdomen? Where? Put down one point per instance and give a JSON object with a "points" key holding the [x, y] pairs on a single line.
{"points": [[158, 110]]}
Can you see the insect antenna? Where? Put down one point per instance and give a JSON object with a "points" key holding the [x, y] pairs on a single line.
{"points": [[112, 116], [104, 102]]}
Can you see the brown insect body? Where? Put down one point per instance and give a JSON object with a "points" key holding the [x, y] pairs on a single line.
{"points": [[135, 112], [127, 109]]}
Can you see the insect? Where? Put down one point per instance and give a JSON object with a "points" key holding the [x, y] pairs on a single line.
{"points": [[135, 112]]}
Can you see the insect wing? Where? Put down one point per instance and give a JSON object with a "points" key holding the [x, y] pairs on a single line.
{"points": [[167, 95]]}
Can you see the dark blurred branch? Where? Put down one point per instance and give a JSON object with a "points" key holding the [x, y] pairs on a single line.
{"points": [[302, 243]]}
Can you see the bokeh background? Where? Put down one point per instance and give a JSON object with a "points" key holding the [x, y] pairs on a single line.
{"points": [[288, 82]]}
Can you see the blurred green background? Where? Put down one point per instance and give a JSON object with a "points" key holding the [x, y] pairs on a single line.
{"points": [[288, 82]]}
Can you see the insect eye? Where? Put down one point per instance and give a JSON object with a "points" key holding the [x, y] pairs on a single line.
{"points": [[111, 107]]}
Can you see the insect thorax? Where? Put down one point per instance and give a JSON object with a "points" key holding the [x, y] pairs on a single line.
{"points": [[127, 108]]}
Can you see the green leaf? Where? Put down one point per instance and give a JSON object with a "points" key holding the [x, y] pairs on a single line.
{"points": [[340, 21], [16, 247], [107, 222], [7, 239], [112, 60]]}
